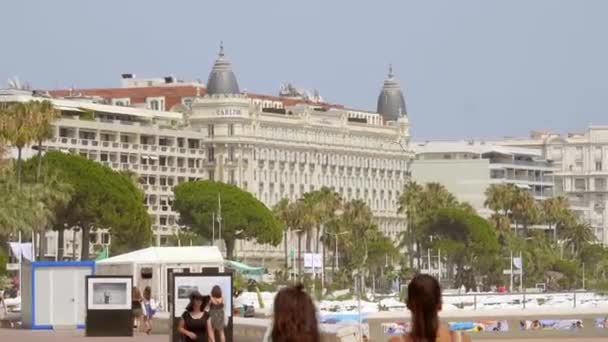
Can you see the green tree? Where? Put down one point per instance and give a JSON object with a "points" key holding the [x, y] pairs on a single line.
{"points": [[526, 210], [576, 236], [467, 239], [323, 204], [44, 115], [500, 198], [282, 212], [243, 216], [409, 204], [101, 198], [556, 214], [17, 127]]}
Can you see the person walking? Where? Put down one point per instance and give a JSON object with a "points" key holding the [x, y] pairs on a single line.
{"points": [[194, 324], [424, 302], [136, 307], [216, 313], [150, 306], [3, 308], [294, 317]]}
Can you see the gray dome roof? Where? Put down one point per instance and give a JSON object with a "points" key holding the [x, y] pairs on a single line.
{"points": [[221, 78], [391, 103]]}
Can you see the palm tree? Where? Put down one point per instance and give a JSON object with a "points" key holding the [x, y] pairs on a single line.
{"points": [[556, 212], [358, 217], [301, 221], [525, 209], [13, 217], [55, 195], [576, 236], [282, 213], [409, 203], [45, 115], [500, 199], [324, 206], [18, 128]]}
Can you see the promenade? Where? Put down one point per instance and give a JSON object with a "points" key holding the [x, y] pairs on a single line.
{"points": [[69, 336]]}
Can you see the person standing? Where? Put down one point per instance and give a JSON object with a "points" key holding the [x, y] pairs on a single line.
{"points": [[424, 302], [150, 306], [294, 317], [136, 306], [216, 313], [194, 324], [3, 308]]}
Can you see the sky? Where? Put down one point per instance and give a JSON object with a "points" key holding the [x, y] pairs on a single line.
{"points": [[468, 68]]}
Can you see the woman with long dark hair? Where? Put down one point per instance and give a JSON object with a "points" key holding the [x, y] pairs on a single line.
{"points": [[194, 324], [424, 303], [295, 317]]}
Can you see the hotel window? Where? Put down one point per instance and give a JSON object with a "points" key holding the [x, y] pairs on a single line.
{"points": [[579, 184], [231, 153], [210, 131], [598, 166], [211, 153], [154, 105], [231, 129], [232, 177]]}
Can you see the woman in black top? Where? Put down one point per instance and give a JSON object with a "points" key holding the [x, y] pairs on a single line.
{"points": [[195, 325]]}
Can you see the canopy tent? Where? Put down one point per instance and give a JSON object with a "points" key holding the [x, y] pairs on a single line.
{"points": [[206, 255], [243, 268], [154, 266]]}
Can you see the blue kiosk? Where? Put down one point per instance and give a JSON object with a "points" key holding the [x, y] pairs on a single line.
{"points": [[53, 293]]}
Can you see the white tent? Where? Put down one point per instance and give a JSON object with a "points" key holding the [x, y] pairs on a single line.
{"points": [[153, 266]]}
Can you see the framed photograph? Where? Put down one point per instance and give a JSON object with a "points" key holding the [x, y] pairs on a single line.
{"points": [[109, 293], [185, 284]]}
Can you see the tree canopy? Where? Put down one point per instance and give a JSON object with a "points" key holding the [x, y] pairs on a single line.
{"points": [[243, 216], [101, 198]]}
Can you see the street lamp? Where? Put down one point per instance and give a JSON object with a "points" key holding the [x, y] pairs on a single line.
{"points": [[294, 263], [336, 251]]}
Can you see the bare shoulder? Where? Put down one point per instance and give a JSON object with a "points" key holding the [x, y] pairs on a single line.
{"points": [[466, 338], [398, 339]]}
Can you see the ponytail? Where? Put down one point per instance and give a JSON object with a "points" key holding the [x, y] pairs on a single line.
{"points": [[424, 325], [424, 301]]}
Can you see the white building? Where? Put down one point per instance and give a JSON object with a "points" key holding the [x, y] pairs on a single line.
{"points": [[582, 170], [468, 168], [273, 147]]}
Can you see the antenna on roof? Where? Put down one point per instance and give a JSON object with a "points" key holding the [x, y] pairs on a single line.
{"points": [[221, 54]]}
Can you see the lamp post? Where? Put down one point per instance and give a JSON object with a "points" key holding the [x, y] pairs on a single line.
{"points": [[336, 259], [294, 263]]}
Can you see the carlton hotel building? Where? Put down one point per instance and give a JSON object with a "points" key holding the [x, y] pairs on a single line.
{"points": [[275, 147]]}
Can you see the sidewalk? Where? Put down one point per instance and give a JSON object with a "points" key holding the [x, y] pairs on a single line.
{"points": [[72, 336]]}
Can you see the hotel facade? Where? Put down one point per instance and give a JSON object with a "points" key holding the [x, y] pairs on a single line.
{"points": [[275, 147]]}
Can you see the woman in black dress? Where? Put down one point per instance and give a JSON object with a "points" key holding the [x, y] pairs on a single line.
{"points": [[195, 325]]}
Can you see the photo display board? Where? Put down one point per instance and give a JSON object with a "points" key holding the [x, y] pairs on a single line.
{"points": [[186, 283], [109, 293], [109, 307]]}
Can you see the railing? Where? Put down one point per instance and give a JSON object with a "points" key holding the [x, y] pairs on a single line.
{"points": [[524, 300]]}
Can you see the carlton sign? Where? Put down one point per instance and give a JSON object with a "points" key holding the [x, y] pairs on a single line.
{"points": [[228, 112]]}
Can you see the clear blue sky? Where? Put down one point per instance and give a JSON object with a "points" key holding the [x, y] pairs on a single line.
{"points": [[473, 68]]}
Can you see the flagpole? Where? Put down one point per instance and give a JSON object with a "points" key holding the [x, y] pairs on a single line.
{"points": [[511, 273], [521, 272], [20, 260], [219, 215]]}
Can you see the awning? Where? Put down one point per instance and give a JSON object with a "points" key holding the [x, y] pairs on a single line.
{"points": [[243, 268]]}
